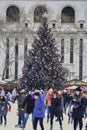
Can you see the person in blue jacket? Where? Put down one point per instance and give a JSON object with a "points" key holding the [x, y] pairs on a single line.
{"points": [[39, 109]]}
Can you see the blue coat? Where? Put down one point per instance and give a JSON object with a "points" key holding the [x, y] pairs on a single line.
{"points": [[39, 108]]}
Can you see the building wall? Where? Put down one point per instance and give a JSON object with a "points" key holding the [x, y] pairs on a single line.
{"points": [[61, 31]]}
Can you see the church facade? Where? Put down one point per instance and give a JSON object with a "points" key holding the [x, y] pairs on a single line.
{"points": [[19, 22]]}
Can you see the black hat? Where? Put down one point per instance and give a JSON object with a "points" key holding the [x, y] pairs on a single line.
{"points": [[37, 93], [78, 89]]}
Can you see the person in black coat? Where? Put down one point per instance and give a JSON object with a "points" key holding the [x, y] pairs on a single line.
{"points": [[78, 111], [56, 109], [21, 94], [28, 105]]}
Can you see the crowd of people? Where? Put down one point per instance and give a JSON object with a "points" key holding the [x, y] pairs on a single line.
{"points": [[37, 102]]}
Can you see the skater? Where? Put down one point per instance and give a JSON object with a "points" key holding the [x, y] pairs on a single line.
{"points": [[28, 105], [20, 98], [56, 109], [48, 102], [39, 109], [4, 105], [78, 112]]}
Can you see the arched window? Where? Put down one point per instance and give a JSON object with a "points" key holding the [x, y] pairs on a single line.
{"points": [[68, 15], [12, 14], [38, 14]]}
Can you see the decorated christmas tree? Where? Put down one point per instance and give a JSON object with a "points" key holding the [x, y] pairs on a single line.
{"points": [[43, 68]]}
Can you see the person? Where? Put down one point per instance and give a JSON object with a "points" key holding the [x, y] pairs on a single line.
{"points": [[70, 110], [48, 102], [55, 109], [70, 107], [28, 105], [14, 93], [62, 103], [20, 98], [65, 100], [39, 109], [78, 111], [85, 105], [4, 105], [9, 96]]}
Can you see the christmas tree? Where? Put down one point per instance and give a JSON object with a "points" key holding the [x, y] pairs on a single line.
{"points": [[43, 68]]}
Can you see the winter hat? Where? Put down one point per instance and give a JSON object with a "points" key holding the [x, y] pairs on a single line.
{"points": [[78, 89], [37, 93]]}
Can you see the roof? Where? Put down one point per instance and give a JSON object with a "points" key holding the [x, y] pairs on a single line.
{"points": [[75, 82]]}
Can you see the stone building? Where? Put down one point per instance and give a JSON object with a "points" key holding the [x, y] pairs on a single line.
{"points": [[19, 21]]}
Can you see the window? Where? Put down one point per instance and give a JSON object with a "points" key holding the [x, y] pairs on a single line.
{"points": [[38, 14], [53, 25], [26, 25], [68, 15], [16, 58], [7, 58], [71, 50], [62, 50], [12, 14], [80, 59], [81, 25]]}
